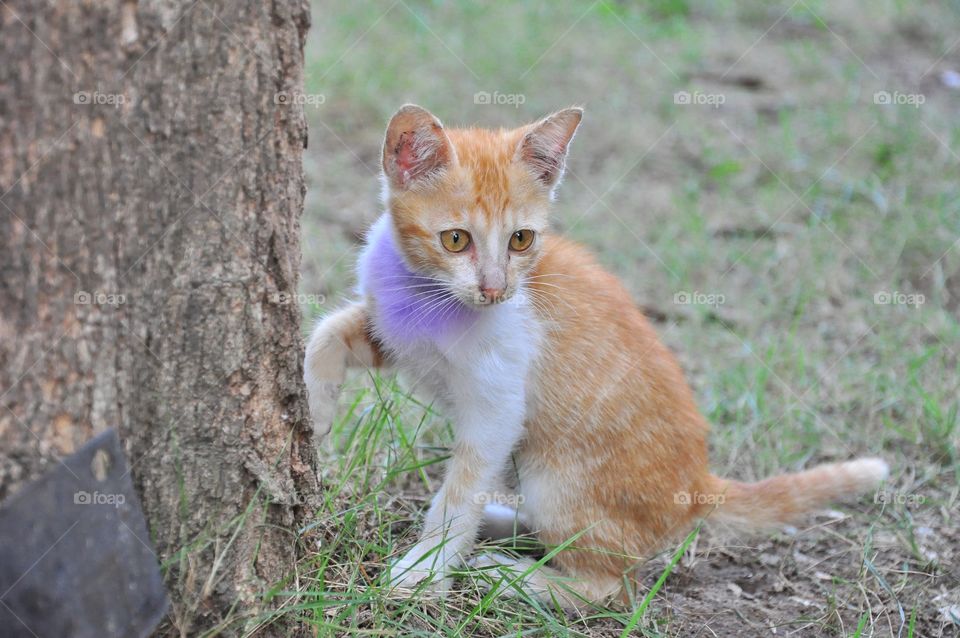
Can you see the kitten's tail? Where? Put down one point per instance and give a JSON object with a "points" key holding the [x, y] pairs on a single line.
{"points": [[781, 499]]}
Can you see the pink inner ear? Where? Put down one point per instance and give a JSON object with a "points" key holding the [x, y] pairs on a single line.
{"points": [[418, 154], [406, 159]]}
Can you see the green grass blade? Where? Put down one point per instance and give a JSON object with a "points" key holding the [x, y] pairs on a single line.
{"points": [[638, 614]]}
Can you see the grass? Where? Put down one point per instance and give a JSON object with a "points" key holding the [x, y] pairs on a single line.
{"points": [[795, 207]]}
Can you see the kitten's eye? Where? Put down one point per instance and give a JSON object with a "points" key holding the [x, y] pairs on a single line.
{"points": [[455, 240], [521, 240]]}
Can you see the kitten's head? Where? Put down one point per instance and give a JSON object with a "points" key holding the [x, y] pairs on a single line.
{"points": [[470, 205]]}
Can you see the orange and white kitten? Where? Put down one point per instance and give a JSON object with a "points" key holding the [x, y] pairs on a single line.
{"points": [[542, 362]]}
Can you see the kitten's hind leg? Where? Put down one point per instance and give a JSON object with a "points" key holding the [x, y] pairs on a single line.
{"points": [[506, 574], [502, 522]]}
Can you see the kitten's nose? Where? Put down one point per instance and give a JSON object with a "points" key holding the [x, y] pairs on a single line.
{"points": [[491, 295]]}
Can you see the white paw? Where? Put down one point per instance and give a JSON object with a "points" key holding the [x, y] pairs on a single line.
{"points": [[322, 399], [415, 572]]}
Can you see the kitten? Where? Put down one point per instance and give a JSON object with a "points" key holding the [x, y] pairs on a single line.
{"points": [[542, 362]]}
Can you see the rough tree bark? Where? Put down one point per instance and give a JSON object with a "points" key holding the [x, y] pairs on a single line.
{"points": [[151, 182]]}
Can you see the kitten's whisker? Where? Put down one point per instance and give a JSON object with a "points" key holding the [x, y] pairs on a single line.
{"points": [[548, 274], [452, 309], [543, 309], [411, 287], [544, 283], [546, 301], [532, 296], [445, 310], [423, 304], [431, 306], [415, 278], [535, 288]]}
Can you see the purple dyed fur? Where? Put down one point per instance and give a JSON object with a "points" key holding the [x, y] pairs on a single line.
{"points": [[409, 307]]}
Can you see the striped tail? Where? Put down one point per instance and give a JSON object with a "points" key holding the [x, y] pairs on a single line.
{"points": [[781, 499]]}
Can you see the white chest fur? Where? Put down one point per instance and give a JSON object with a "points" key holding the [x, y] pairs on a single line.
{"points": [[481, 367]]}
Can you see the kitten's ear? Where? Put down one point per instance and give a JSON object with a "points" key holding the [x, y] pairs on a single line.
{"points": [[415, 148], [544, 147]]}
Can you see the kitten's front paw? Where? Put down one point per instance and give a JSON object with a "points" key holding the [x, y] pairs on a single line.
{"points": [[414, 572], [322, 399]]}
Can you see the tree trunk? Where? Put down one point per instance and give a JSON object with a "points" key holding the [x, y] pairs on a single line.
{"points": [[150, 194]]}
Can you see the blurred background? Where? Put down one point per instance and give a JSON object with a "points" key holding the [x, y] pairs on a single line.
{"points": [[776, 183]]}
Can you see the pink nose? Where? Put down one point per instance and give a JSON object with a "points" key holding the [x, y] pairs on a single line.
{"points": [[492, 294]]}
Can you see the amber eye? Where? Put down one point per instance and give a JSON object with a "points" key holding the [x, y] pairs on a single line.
{"points": [[455, 240], [521, 240]]}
